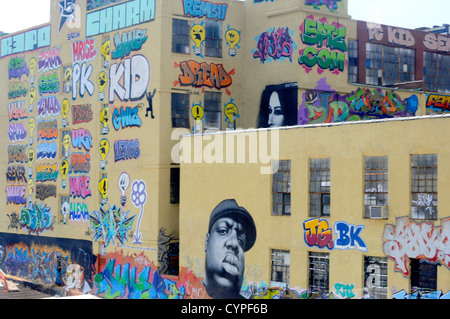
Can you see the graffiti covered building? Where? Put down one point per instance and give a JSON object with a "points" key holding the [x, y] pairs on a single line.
{"points": [[95, 104]]}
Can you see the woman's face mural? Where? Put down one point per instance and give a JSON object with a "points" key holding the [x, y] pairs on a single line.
{"points": [[276, 114], [279, 106]]}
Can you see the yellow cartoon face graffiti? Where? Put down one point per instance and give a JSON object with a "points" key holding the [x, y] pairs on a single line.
{"points": [[198, 34]]}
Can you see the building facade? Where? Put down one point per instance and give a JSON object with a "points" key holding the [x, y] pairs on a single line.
{"points": [[90, 201]]}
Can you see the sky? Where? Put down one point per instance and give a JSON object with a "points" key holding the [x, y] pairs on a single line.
{"points": [[18, 15]]}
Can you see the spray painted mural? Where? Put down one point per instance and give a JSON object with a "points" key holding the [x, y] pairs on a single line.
{"points": [[325, 46], [67, 264], [324, 105], [278, 105]]}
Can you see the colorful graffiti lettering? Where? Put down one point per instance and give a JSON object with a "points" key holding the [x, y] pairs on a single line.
{"points": [[49, 84], [111, 225], [17, 67], [348, 236], [36, 219], [204, 75], [326, 106], [26, 41], [82, 138], [44, 191], [79, 212], [18, 89], [136, 74], [47, 172], [424, 241], [15, 194], [79, 186], [275, 44], [82, 113], [345, 291], [17, 132], [317, 4], [126, 117], [17, 153], [80, 163], [16, 174], [130, 41], [49, 60], [326, 46], [47, 130], [437, 102], [318, 233], [81, 74], [201, 9], [17, 111], [417, 295], [48, 106], [126, 150], [83, 51], [46, 151], [119, 16]]}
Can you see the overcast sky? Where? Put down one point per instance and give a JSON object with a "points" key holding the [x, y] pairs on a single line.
{"points": [[18, 15]]}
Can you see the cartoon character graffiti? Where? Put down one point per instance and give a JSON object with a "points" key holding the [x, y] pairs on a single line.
{"points": [[198, 35]]}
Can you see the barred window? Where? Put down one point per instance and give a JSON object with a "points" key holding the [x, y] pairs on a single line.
{"points": [[280, 268], [353, 61], [375, 277], [436, 72], [319, 189], [386, 65], [319, 272], [375, 182], [423, 276], [424, 186], [181, 36], [213, 40], [212, 110], [180, 110], [281, 188]]}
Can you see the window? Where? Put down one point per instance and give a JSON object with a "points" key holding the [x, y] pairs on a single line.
{"points": [[375, 277], [281, 188], [280, 268], [175, 185], [423, 276], [375, 182], [387, 65], [319, 264], [212, 110], [213, 40], [424, 186], [319, 188], [180, 110], [353, 61], [181, 36], [436, 72]]}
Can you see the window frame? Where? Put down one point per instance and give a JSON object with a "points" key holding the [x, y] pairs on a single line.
{"points": [[212, 109], [282, 268], [321, 259], [420, 186], [320, 189], [182, 110], [183, 47], [281, 188], [213, 39], [375, 176]]}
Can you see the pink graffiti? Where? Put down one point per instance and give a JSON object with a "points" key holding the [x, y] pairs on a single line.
{"points": [[424, 241], [318, 233], [79, 186], [276, 45], [49, 60]]}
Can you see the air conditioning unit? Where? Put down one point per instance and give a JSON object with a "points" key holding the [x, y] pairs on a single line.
{"points": [[378, 212]]}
